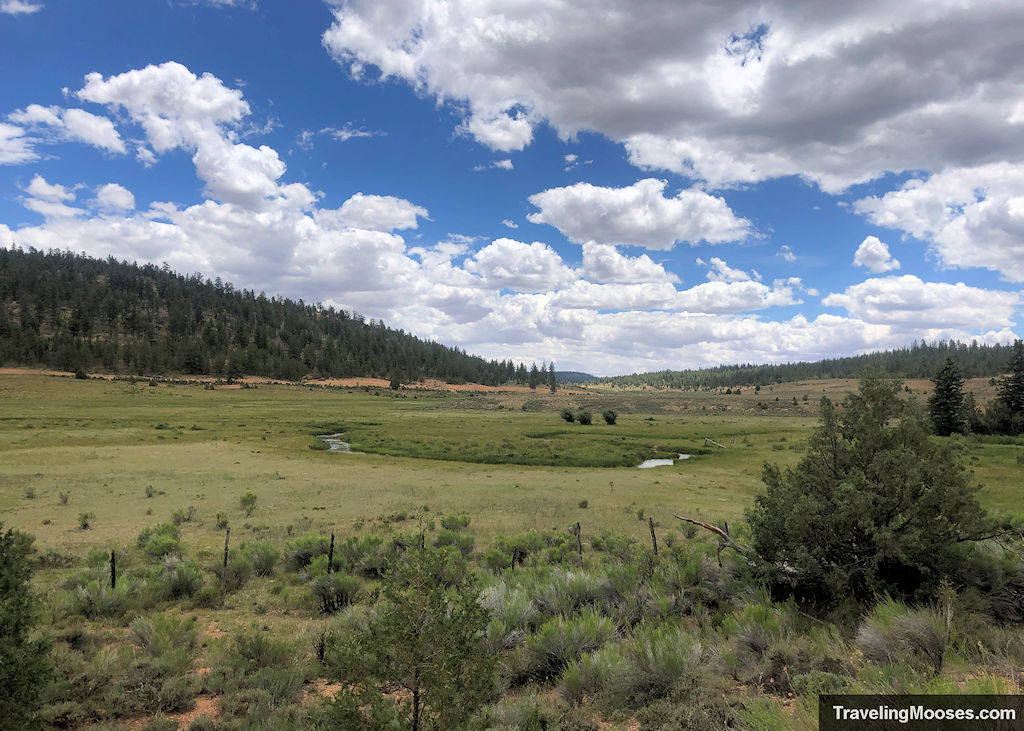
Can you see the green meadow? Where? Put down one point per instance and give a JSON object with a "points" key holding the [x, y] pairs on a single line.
{"points": [[595, 632], [131, 454]]}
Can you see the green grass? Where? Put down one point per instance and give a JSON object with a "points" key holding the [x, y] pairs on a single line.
{"points": [[134, 454]]}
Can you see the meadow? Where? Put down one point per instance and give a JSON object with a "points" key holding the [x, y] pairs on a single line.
{"points": [[86, 466]]}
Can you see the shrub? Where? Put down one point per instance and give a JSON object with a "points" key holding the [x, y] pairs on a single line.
{"points": [[568, 415], [176, 579], [609, 417], [248, 503], [584, 417], [30, 493], [462, 541], [334, 592], [895, 633], [300, 552], [186, 515], [95, 599], [455, 522], [263, 556], [560, 641], [160, 541], [222, 520], [63, 497], [85, 520]]}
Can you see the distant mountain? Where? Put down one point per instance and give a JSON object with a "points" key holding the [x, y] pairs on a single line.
{"points": [[919, 360], [67, 311], [573, 377]]}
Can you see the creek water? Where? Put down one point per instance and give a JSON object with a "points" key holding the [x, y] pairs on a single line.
{"points": [[334, 442], [648, 463]]}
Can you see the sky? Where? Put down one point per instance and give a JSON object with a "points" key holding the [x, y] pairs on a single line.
{"points": [[616, 186]]}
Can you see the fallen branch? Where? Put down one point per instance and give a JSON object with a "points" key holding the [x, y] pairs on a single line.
{"points": [[716, 530]]}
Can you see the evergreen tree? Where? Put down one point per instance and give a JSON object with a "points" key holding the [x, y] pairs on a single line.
{"points": [[534, 379], [946, 404], [873, 507], [1010, 399], [428, 640], [24, 661], [552, 379]]}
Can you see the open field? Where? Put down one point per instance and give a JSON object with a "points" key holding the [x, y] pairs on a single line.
{"points": [[135, 456], [132, 454]]}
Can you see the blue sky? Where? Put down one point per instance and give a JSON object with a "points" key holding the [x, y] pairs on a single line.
{"points": [[614, 186]]}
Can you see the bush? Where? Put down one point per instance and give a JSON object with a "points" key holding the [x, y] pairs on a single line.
{"points": [[455, 522], [584, 417], [462, 541], [560, 641], [609, 417], [262, 556], [334, 592], [176, 579], [160, 541], [568, 415], [300, 552], [895, 633], [85, 520], [222, 520], [248, 503]]}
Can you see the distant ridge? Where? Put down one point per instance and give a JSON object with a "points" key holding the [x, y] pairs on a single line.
{"points": [[67, 311], [573, 377], [919, 360]]}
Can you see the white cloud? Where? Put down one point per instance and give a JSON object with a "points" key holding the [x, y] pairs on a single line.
{"points": [[380, 212], [604, 263], [15, 148], [502, 132], [787, 253], [19, 7], [874, 255], [70, 124], [971, 217], [509, 223], [510, 299], [496, 165], [728, 93], [114, 197], [510, 264], [722, 272], [639, 214], [909, 301]]}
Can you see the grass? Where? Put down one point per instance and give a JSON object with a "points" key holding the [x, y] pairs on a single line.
{"points": [[133, 455]]}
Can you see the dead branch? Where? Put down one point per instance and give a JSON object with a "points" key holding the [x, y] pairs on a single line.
{"points": [[717, 531]]}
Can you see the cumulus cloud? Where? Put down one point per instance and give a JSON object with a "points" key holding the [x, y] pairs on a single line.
{"points": [[511, 264], [114, 197], [970, 217], [505, 164], [638, 214], [604, 263], [874, 255], [787, 253], [907, 300], [380, 212], [727, 93], [615, 313], [56, 123], [508, 222]]}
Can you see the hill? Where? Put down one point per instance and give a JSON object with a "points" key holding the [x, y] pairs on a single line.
{"points": [[919, 360], [66, 311]]}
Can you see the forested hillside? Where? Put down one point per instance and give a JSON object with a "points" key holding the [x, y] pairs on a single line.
{"points": [[66, 311], [920, 360]]}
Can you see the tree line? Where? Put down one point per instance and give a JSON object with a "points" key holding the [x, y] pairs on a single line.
{"points": [[919, 360], [71, 312]]}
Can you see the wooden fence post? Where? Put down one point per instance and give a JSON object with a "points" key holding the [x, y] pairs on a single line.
{"points": [[579, 543], [330, 557], [113, 569], [224, 569], [654, 538]]}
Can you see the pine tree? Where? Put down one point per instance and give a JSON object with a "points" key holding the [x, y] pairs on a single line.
{"points": [[1010, 399], [946, 404], [552, 379]]}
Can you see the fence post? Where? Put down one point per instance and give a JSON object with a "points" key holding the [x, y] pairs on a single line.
{"points": [[654, 538], [579, 543], [224, 569], [113, 569], [330, 557]]}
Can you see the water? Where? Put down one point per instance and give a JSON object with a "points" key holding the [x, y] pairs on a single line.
{"points": [[334, 442], [648, 463]]}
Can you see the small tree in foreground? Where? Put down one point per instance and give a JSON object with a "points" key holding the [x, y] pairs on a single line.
{"points": [[427, 641], [24, 661], [873, 507], [609, 417]]}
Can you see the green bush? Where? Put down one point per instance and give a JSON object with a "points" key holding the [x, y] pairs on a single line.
{"points": [[609, 417], [300, 552], [263, 557], [334, 592], [560, 641], [455, 522], [248, 503], [568, 415], [461, 541], [160, 541], [584, 417]]}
